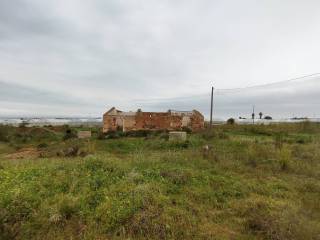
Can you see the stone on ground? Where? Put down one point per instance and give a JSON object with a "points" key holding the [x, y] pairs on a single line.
{"points": [[177, 136]]}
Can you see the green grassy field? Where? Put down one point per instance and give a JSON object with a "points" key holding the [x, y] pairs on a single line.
{"points": [[256, 182]]}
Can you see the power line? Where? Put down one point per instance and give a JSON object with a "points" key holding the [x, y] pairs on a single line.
{"points": [[270, 84], [222, 90]]}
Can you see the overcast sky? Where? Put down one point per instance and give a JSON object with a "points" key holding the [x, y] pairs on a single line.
{"points": [[72, 57]]}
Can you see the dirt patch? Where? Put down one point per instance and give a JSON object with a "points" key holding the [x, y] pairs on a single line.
{"points": [[24, 153]]}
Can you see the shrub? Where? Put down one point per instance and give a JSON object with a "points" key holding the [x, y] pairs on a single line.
{"points": [[66, 207], [113, 134], [275, 222], [258, 154], [185, 144], [65, 127], [164, 136], [182, 145], [231, 121], [303, 139], [101, 135], [69, 134], [187, 129], [117, 210], [4, 133], [39, 133], [222, 135], [71, 151], [209, 134], [139, 133]]}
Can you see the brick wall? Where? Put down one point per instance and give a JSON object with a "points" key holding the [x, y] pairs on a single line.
{"points": [[152, 121]]}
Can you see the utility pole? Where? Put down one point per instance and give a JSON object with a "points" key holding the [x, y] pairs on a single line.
{"points": [[253, 114], [211, 109]]}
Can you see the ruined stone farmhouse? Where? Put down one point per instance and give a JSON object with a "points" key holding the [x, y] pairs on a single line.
{"points": [[171, 120]]}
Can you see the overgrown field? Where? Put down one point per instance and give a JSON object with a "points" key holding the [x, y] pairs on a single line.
{"points": [[254, 182]]}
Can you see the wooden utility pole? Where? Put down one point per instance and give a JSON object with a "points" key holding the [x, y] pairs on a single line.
{"points": [[211, 107], [253, 114]]}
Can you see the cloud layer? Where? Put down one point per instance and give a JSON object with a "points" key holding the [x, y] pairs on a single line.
{"points": [[80, 57], [298, 98]]}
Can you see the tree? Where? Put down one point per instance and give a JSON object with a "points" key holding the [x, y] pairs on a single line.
{"points": [[231, 121], [260, 115]]}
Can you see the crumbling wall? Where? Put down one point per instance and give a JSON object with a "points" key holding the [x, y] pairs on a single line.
{"points": [[197, 121], [129, 123], [151, 120], [117, 120], [186, 121], [109, 123]]}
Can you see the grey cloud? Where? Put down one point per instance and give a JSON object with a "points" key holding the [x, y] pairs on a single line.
{"points": [[21, 19], [17, 93], [109, 53], [285, 99]]}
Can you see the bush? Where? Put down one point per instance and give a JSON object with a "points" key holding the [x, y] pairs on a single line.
{"points": [[101, 135], [66, 207], [209, 134], [187, 129], [275, 222], [114, 134], [222, 135], [231, 121], [4, 133], [183, 145], [303, 139], [69, 134], [71, 151], [138, 133], [164, 136]]}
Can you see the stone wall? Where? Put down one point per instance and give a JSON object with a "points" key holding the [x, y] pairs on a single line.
{"points": [[84, 134], [197, 121], [109, 123]]}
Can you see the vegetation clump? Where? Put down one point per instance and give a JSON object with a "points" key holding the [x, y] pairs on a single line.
{"points": [[69, 134], [4, 133], [231, 121]]}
